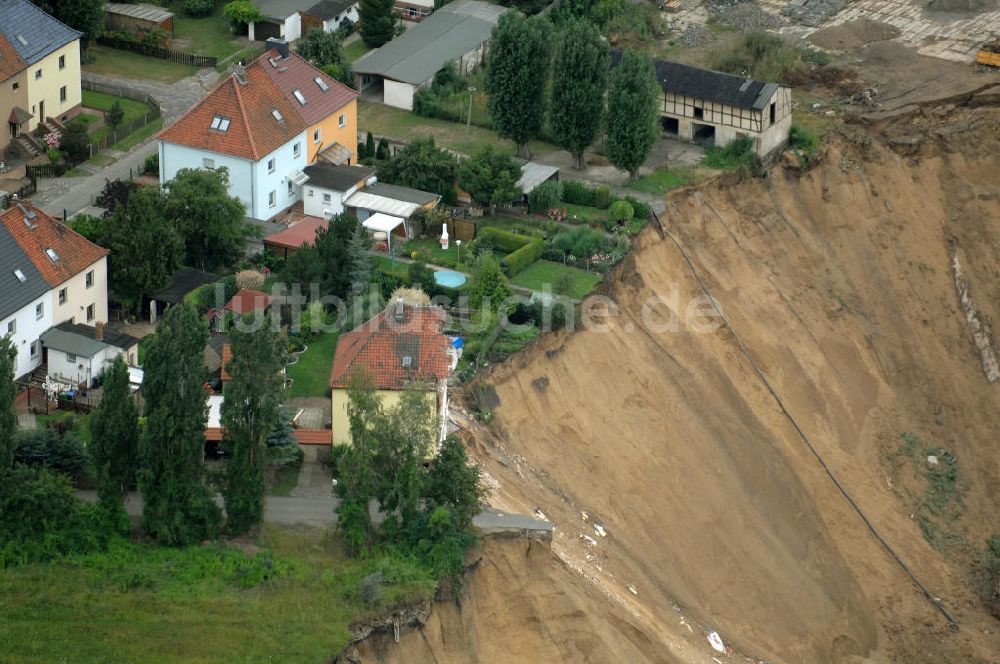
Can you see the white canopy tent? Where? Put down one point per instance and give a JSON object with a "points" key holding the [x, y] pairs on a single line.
{"points": [[384, 223]]}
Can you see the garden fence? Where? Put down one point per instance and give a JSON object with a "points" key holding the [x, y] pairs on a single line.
{"points": [[9, 199], [157, 52]]}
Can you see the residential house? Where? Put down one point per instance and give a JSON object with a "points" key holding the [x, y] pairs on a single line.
{"points": [[401, 348], [330, 185], [458, 32], [414, 10], [77, 353], [49, 274], [50, 79], [714, 108], [282, 19], [254, 123], [329, 15]]}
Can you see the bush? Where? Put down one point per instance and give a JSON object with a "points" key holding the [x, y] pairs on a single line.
{"points": [[602, 198], [804, 141], [197, 8], [420, 275], [249, 279], [580, 242], [577, 193], [152, 164], [50, 449], [518, 260], [621, 211], [737, 156], [545, 196], [75, 141], [763, 56], [640, 209]]}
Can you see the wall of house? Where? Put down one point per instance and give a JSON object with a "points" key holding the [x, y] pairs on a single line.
{"points": [[47, 88], [314, 203], [398, 94], [9, 98], [79, 296], [351, 14], [331, 132], [292, 27], [27, 330], [776, 135], [285, 162], [81, 370], [389, 398], [174, 157]]}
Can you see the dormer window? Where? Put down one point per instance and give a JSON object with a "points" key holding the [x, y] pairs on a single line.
{"points": [[51, 253], [298, 97], [220, 123], [277, 115], [20, 275], [322, 84]]}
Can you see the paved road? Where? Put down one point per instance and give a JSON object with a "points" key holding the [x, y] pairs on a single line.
{"points": [[74, 194]]}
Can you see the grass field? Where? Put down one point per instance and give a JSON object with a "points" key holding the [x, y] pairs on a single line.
{"points": [[547, 273], [392, 122], [355, 50], [293, 601], [134, 110], [438, 256], [312, 372], [385, 264], [660, 182], [209, 36], [139, 135], [123, 64]]}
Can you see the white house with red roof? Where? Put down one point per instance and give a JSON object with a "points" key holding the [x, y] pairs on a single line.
{"points": [[258, 123]]}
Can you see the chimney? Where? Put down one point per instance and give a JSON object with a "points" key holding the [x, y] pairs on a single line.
{"points": [[99, 331], [279, 45], [239, 72], [398, 314]]}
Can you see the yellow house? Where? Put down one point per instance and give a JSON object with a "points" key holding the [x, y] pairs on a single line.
{"points": [[50, 51], [401, 348], [13, 93], [328, 107]]}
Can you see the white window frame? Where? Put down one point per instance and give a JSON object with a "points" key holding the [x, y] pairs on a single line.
{"points": [[71, 358], [272, 199], [342, 120], [327, 198], [39, 311], [208, 163], [90, 279], [91, 312], [12, 326], [297, 150], [272, 165], [62, 62]]}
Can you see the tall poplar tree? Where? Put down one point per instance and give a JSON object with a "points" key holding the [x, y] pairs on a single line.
{"points": [[579, 81], [516, 72], [114, 449], [633, 119], [177, 506], [8, 392]]}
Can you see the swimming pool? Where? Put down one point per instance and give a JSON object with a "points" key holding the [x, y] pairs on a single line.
{"points": [[449, 278]]}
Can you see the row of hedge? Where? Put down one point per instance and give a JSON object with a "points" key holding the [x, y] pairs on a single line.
{"points": [[521, 250], [550, 194]]}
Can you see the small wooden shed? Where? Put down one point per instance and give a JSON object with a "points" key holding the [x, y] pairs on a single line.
{"points": [[137, 18]]}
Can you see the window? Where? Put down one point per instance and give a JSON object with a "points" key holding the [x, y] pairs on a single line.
{"points": [[62, 93], [271, 199], [90, 279], [277, 115], [208, 163], [291, 187], [62, 296], [38, 74], [699, 112], [20, 275], [316, 136], [297, 150], [321, 83], [326, 198], [299, 97], [62, 62], [39, 310], [342, 120], [270, 165], [51, 253], [16, 85], [310, 192], [34, 348], [773, 111], [220, 123], [71, 358], [90, 313], [12, 327]]}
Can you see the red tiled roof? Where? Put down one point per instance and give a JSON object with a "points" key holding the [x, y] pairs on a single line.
{"points": [[246, 301], [10, 62], [295, 73], [74, 253], [213, 434], [298, 234], [313, 436], [253, 130], [379, 346]]}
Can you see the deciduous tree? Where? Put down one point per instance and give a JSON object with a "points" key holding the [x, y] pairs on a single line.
{"points": [[114, 447], [490, 177], [210, 221], [422, 165], [325, 51], [516, 72], [251, 410], [633, 118], [579, 80], [177, 506], [8, 392]]}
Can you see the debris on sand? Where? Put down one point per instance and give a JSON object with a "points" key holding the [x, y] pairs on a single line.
{"points": [[853, 34], [696, 35], [744, 15], [812, 12]]}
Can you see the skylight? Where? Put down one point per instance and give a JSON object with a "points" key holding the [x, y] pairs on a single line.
{"points": [[51, 253], [220, 123], [277, 115], [322, 84], [299, 97], [20, 38], [20, 276]]}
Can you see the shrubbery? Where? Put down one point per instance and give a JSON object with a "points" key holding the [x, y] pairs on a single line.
{"points": [[737, 156], [197, 8], [47, 448], [518, 260], [580, 242], [545, 196]]}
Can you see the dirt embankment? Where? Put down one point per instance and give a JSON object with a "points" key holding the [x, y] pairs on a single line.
{"points": [[840, 285]]}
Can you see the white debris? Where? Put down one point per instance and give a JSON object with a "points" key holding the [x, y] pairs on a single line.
{"points": [[599, 529], [540, 514], [584, 516], [932, 460], [715, 641], [632, 589], [590, 540]]}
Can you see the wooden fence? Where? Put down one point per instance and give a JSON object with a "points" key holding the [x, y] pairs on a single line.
{"points": [[157, 52]]}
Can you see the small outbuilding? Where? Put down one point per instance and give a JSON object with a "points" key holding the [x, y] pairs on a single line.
{"points": [[329, 15], [77, 353], [137, 18], [328, 185], [301, 233], [390, 199]]}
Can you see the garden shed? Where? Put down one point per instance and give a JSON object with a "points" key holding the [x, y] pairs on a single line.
{"points": [[137, 18], [534, 174]]}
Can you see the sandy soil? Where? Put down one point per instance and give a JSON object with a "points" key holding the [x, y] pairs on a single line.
{"points": [[853, 34], [714, 511]]}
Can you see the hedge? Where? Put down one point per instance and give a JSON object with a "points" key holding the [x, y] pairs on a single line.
{"points": [[498, 238], [516, 261], [577, 193]]}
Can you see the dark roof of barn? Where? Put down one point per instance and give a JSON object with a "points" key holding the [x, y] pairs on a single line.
{"points": [[327, 9], [709, 85]]}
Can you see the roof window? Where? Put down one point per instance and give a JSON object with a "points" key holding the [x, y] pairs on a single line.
{"points": [[20, 275], [322, 84], [220, 123], [277, 115], [299, 97], [51, 253], [20, 38]]}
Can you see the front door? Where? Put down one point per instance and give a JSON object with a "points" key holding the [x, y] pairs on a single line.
{"points": [[41, 111]]}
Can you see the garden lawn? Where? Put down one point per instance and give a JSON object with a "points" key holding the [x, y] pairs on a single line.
{"points": [[311, 374], [124, 64], [384, 264], [540, 274], [577, 214], [209, 35], [660, 182], [103, 102], [355, 50], [139, 603], [139, 135], [438, 256], [383, 120]]}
